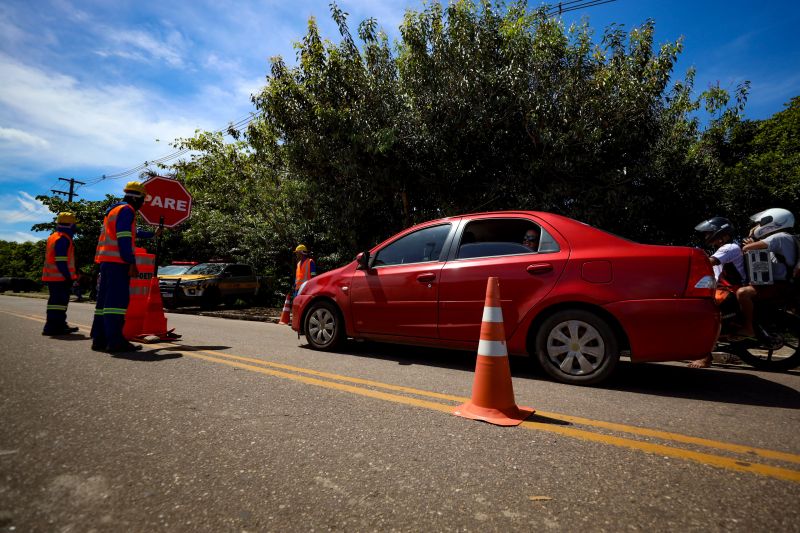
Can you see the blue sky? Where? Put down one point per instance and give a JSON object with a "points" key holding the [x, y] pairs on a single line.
{"points": [[95, 87]]}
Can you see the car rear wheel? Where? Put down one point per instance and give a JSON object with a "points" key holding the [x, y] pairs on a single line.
{"points": [[324, 326], [577, 347]]}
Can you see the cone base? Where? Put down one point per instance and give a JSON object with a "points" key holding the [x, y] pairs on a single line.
{"points": [[511, 416]]}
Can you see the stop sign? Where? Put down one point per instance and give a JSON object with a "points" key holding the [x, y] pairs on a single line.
{"points": [[166, 198]]}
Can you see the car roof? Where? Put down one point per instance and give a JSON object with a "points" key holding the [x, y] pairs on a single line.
{"points": [[573, 230]]}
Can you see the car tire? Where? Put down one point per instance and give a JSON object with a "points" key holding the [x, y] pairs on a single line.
{"points": [[211, 299], [577, 347], [324, 326]]}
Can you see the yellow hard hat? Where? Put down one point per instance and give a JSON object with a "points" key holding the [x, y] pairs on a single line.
{"points": [[65, 217], [135, 187], [301, 248]]}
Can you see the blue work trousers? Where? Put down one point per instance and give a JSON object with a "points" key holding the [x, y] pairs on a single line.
{"points": [[57, 306], [112, 303]]}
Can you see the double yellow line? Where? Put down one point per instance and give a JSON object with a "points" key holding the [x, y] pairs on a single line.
{"points": [[541, 421]]}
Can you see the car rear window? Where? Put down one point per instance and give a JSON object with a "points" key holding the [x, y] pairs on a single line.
{"points": [[503, 236]]}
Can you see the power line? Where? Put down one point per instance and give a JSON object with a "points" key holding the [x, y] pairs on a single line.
{"points": [[71, 193], [574, 5], [238, 125]]}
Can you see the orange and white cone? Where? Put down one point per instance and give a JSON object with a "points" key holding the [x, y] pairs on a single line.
{"points": [[492, 391], [284, 320]]}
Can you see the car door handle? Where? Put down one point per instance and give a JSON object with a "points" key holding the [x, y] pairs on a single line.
{"points": [[426, 277], [539, 268]]}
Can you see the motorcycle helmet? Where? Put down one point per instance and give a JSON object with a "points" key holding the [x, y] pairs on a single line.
{"points": [[714, 228], [772, 221]]}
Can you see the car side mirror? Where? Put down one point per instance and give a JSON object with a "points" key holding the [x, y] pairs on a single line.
{"points": [[363, 260]]}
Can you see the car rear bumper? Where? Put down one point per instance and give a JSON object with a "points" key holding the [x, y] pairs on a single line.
{"points": [[667, 330]]}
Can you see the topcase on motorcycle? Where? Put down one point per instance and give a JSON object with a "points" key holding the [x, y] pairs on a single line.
{"points": [[759, 267]]}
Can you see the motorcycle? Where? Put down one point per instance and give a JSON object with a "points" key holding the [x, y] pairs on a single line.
{"points": [[777, 325]]}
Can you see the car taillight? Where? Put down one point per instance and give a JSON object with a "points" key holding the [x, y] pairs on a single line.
{"points": [[701, 282]]}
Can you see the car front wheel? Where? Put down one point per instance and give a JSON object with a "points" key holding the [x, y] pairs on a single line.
{"points": [[577, 347], [324, 326]]}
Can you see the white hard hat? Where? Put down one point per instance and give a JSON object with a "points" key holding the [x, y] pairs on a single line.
{"points": [[771, 221]]}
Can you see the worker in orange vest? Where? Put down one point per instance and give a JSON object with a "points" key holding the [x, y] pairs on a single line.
{"points": [[115, 254], [59, 273], [306, 269]]}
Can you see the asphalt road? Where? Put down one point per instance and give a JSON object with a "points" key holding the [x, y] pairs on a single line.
{"points": [[240, 427]]}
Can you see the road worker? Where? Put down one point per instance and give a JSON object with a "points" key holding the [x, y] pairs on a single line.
{"points": [[306, 269], [115, 254], [59, 273]]}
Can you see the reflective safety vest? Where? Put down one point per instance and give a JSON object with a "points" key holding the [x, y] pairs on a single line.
{"points": [[50, 271], [108, 245], [303, 273]]}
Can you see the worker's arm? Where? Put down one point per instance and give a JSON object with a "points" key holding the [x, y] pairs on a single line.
{"points": [[124, 235], [757, 245]]}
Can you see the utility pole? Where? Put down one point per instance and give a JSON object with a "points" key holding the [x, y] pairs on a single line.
{"points": [[71, 193]]}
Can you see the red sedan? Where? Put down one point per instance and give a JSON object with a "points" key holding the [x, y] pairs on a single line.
{"points": [[573, 297]]}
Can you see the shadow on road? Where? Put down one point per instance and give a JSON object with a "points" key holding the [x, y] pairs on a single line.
{"points": [[70, 337], [199, 348], [729, 384], [409, 355], [716, 384], [147, 356]]}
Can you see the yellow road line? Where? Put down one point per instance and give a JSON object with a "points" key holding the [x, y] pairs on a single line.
{"points": [[659, 449], [623, 428], [653, 448]]}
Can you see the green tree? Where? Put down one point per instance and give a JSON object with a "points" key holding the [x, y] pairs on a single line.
{"points": [[22, 260]]}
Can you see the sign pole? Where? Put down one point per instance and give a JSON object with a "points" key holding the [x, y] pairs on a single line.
{"points": [[158, 243]]}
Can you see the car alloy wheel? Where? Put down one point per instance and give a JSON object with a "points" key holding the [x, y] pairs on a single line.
{"points": [[323, 326], [577, 346]]}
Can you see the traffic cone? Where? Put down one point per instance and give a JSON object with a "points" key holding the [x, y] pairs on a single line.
{"points": [[137, 308], [492, 391], [155, 323], [286, 310]]}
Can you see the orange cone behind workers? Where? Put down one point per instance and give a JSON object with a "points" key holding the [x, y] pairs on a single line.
{"points": [[492, 391], [287, 307], [144, 319], [139, 292]]}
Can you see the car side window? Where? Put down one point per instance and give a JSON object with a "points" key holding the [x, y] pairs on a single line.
{"points": [[507, 236], [419, 247]]}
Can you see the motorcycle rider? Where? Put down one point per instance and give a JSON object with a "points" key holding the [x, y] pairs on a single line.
{"points": [[771, 233], [727, 260]]}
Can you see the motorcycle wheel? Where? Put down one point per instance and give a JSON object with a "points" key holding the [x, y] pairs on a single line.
{"points": [[781, 352]]}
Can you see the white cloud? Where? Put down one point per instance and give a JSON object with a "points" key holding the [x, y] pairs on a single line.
{"points": [[23, 208], [169, 51], [101, 125], [776, 89], [18, 236], [14, 136]]}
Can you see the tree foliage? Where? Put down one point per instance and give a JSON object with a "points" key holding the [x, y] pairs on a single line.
{"points": [[22, 260]]}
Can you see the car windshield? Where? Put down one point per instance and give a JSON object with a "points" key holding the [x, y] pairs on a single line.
{"points": [[173, 270], [207, 268]]}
